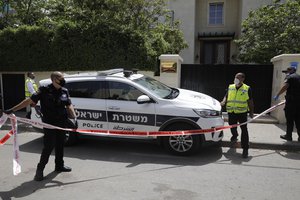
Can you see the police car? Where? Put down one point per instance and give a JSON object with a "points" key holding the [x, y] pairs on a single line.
{"points": [[128, 101]]}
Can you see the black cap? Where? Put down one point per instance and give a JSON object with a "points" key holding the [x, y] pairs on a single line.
{"points": [[289, 69]]}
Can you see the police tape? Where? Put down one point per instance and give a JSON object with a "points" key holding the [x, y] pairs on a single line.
{"points": [[14, 119], [144, 133], [3, 140]]}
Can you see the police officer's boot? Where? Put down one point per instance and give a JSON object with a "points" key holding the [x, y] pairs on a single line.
{"points": [[39, 175], [245, 153]]}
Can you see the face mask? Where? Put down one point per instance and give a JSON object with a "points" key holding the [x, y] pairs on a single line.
{"points": [[236, 81], [62, 82]]}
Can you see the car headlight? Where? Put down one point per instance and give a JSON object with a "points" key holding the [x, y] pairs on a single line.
{"points": [[208, 113]]}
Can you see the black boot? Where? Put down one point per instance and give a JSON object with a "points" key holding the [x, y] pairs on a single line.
{"points": [[39, 176], [63, 169], [245, 153], [286, 137]]}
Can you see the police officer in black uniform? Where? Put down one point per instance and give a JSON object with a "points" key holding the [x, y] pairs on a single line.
{"points": [[55, 107], [292, 105]]}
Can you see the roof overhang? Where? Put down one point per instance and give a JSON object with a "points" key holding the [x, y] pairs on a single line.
{"points": [[216, 36]]}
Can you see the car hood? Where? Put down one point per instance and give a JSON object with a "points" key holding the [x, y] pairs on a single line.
{"points": [[197, 100]]}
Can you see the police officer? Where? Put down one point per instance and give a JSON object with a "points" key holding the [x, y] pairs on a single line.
{"points": [[239, 102], [30, 89], [292, 105], [55, 106]]}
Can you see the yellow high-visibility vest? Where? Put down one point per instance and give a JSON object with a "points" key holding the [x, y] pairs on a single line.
{"points": [[237, 100], [35, 87]]}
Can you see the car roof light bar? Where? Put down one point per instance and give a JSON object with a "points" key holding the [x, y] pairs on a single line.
{"points": [[110, 72], [127, 73]]}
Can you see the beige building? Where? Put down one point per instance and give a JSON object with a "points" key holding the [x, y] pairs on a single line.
{"points": [[210, 26]]}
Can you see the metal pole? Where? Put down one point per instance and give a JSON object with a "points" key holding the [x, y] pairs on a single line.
{"points": [[172, 18]]}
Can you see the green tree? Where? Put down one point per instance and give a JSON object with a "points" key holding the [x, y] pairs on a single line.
{"points": [[27, 12], [269, 31], [113, 32]]}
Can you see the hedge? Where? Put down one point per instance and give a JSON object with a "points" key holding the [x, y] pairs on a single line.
{"points": [[70, 47]]}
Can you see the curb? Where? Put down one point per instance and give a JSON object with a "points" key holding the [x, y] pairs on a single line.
{"points": [[287, 146]]}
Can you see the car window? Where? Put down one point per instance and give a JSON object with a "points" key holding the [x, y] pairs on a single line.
{"points": [[154, 86], [123, 91], [87, 89]]}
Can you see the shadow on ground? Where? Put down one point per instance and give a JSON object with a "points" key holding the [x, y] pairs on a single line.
{"points": [[128, 151], [30, 187]]}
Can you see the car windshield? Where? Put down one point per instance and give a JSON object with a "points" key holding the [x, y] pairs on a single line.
{"points": [[157, 87]]}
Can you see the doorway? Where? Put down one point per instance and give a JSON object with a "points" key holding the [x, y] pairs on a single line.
{"points": [[13, 90]]}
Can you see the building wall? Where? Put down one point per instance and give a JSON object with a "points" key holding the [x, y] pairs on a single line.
{"points": [[184, 10], [231, 21], [193, 15]]}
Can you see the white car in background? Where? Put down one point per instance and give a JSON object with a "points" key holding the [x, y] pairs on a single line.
{"points": [[128, 101]]}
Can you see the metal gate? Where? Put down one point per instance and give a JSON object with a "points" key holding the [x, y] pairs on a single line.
{"points": [[13, 89], [213, 80]]}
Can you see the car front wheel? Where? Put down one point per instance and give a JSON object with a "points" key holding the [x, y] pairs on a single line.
{"points": [[183, 144]]}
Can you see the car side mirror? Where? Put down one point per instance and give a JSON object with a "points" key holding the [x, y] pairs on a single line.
{"points": [[143, 99]]}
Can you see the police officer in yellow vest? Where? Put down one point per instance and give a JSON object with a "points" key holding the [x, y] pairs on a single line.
{"points": [[239, 102], [30, 89]]}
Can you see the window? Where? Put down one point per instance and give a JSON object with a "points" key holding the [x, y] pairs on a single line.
{"points": [[87, 89], [216, 13], [123, 91]]}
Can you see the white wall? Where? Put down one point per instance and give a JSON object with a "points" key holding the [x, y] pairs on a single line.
{"points": [[185, 11], [191, 13]]}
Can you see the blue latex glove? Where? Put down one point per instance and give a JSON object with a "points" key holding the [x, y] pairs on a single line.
{"points": [[276, 98]]}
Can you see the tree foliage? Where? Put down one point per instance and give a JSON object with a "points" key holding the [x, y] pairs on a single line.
{"points": [[90, 34], [269, 31]]}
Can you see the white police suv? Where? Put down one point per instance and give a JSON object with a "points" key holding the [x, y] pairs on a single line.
{"points": [[125, 100]]}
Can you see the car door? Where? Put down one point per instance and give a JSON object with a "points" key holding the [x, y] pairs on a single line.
{"points": [[89, 100], [123, 111]]}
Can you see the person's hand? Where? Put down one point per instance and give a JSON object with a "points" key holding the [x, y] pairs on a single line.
{"points": [[8, 112], [222, 103], [276, 98]]}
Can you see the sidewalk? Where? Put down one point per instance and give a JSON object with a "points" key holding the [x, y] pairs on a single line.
{"points": [[264, 133]]}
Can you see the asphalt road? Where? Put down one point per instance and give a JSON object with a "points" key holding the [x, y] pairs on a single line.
{"points": [[116, 170]]}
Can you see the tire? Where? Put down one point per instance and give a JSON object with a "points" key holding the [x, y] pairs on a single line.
{"points": [[71, 138], [181, 145]]}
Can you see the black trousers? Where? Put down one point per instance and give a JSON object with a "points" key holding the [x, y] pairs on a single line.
{"points": [[234, 118], [52, 139], [292, 115]]}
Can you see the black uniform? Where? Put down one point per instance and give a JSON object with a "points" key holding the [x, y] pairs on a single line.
{"points": [[292, 104], [53, 108]]}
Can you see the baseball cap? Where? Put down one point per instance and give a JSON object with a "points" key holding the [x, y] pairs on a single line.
{"points": [[289, 69]]}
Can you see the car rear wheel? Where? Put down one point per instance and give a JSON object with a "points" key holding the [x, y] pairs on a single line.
{"points": [[183, 144]]}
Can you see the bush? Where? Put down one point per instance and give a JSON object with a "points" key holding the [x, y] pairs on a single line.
{"points": [[70, 47]]}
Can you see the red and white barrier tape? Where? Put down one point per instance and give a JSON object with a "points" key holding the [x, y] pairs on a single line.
{"points": [[14, 119], [12, 132], [143, 133]]}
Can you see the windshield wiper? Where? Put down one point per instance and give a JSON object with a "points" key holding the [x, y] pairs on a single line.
{"points": [[173, 94]]}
